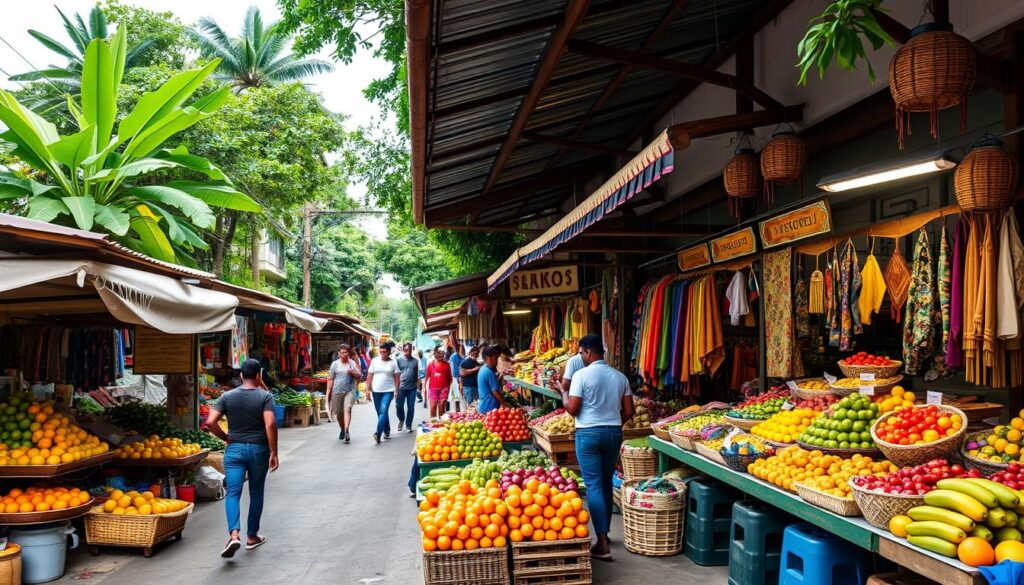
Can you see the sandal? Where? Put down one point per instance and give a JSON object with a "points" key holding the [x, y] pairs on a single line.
{"points": [[260, 541], [606, 557], [229, 551]]}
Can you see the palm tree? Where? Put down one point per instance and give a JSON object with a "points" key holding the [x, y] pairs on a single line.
{"points": [[258, 57], [60, 82]]}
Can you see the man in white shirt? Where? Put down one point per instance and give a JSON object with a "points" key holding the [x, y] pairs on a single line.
{"points": [[600, 400]]}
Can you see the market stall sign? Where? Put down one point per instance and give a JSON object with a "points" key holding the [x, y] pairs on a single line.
{"points": [[807, 221], [545, 281], [694, 257], [157, 352], [734, 245]]}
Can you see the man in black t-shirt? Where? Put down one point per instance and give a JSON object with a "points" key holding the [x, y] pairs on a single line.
{"points": [[252, 450], [468, 370]]}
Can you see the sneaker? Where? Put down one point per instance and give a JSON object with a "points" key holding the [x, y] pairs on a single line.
{"points": [[229, 551], [376, 437], [341, 436], [400, 428], [348, 438], [387, 436], [409, 430]]}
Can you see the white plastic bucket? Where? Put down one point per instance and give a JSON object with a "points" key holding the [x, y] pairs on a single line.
{"points": [[43, 550]]}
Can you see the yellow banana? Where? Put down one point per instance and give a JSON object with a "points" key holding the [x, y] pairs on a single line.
{"points": [[923, 513], [958, 502], [971, 489], [1008, 498], [936, 529], [934, 544]]}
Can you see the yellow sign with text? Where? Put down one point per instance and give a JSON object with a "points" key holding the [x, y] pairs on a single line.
{"points": [[694, 257], [807, 221], [546, 281], [734, 245]]}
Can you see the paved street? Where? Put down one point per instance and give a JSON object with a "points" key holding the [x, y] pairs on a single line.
{"points": [[335, 514]]}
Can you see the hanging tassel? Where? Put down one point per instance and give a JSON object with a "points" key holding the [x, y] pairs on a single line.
{"points": [[816, 291]]}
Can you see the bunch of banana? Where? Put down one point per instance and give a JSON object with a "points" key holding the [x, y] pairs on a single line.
{"points": [[551, 354], [962, 507]]}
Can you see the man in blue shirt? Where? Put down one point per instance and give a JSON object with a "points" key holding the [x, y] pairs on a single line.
{"points": [[600, 400], [487, 382], [454, 362]]}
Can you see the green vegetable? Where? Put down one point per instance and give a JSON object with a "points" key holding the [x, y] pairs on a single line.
{"points": [[638, 443], [289, 398]]}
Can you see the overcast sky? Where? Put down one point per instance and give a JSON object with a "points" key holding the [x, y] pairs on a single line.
{"points": [[341, 90]]}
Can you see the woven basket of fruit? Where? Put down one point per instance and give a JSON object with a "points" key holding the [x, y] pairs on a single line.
{"points": [[684, 439], [808, 388], [710, 453], [840, 452], [879, 507], [977, 453], [740, 463], [932, 431], [743, 423], [124, 530], [638, 459], [879, 385], [834, 504], [739, 451], [863, 362]]}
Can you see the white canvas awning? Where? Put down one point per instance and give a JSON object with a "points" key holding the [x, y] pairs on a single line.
{"points": [[132, 296], [296, 317]]}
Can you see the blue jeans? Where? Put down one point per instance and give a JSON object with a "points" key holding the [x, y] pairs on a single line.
{"points": [[382, 403], [414, 475], [240, 458], [470, 394], [597, 449], [405, 406]]}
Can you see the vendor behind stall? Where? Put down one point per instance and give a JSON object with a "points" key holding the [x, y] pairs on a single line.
{"points": [[487, 382]]}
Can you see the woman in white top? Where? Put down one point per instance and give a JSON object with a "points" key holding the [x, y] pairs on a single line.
{"points": [[382, 378]]}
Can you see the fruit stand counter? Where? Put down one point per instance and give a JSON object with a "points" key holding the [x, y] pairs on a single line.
{"points": [[536, 392], [854, 529]]}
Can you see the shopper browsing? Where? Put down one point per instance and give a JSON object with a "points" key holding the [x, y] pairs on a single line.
{"points": [[251, 451], [405, 405], [382, 378], [439, 382], [454, 362], [600, 400], [468, 370], [487, 382], [342, 379]]}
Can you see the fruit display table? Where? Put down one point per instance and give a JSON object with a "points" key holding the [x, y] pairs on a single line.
{"points": [[554, 445], [44, 471], [854, 529], [174, 462], [537, 393]]}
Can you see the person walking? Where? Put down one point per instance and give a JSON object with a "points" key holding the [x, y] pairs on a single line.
{"points": [[439, 382], [342, 381], [420, 388], [487, 382], [251, 451], [405, 404], [454, 363], [468, 370], [382, 380], [601, 402]]}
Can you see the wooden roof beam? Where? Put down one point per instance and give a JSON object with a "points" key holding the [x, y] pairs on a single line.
{"points": [[567, 143], [684, 231], [685, 70], [575, 11]]}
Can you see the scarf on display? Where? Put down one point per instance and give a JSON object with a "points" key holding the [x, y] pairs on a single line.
{"points": [[954, 345], [897, 281], [973, 290], [846, 304], [803, 323], [1010, 295], [873, 290], [778, 308], [816, 291], [831, 296], [919, 322], [736, 297], [942, 280]]}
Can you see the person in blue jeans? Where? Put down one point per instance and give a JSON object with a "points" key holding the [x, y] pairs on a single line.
{"points": [[405, 404], [469, 369], [252, 450], [382, 379], [600, 400]]}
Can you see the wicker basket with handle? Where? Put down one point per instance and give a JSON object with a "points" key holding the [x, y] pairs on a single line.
{"points": [[985, 466], [143, 532], [880, 372], [638, 462], [911, 455], [879, 507]]}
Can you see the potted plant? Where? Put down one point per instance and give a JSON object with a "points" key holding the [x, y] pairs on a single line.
{"points": [[838, 34]]}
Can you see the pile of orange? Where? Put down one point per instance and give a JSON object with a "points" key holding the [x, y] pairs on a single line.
{"points": [[156, 448], [541, 512], [795, 465], [35, 434], [464, 518], [42, 499], [134, 503], [467, 518]]}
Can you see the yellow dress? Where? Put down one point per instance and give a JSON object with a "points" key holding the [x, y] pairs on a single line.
{"points": [[872, 289]]}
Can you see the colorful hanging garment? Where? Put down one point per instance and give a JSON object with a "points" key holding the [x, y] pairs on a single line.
{"points": [[855, 288], [778, 309], [985, 311], [736, 295], [803, 324], [1009, 289], [897, 281], [943, 283], [831, 304], [919, 328], [712, 347], [972, 291], [954, 347], [873, 290], [846, 330]]}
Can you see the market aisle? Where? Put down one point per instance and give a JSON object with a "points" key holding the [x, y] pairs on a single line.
{"points": [[335, 515]]}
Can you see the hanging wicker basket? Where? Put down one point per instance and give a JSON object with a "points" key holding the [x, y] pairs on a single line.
{"points": [[782, 160], [986, 180], [934, 71], [742, 178]]}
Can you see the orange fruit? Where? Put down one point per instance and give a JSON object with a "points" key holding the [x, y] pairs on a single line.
{"points": [[444, 543], [513, 522], [491, 531], [566, 534], [476, 533], [570, 522], [898, 525], [429, 531], [472, 520], [556, 523], [526, 498], [581, 531], [538, 522], [472, 544], [499, 541], [540, 499], [512, 500], [1009, 549], [26, 507], [450, 529], [976, 552], [550, 535], [515, 536], [486, 542], [583, 516], [429, 544], [549, 512], [533, 485], [538, 536], [463, 532]]}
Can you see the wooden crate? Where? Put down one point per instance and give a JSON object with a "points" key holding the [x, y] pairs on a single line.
{"points": [[483, 566], [297, 416], [556, 447], [563, 562]]}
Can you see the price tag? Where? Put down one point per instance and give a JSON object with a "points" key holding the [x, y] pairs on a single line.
{"points": [[830, 378], [792, 385], [934, 397], [787, 405], [867, 377], [867, 390]]}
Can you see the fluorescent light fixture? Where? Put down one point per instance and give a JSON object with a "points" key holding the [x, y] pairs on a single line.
{"points": [[517, 312], [886, 171]]}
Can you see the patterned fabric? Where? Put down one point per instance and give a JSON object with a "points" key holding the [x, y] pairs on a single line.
{"points": [[942, 279], [831, 305], [803, 324], [846, 330], [897, 281], [778, 307], [954, 347], [919, 329], [855, 289]]}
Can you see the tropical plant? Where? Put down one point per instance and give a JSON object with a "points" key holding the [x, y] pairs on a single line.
{"points": [[838, 35], [259, 56], [60, 82], [99, 177]]}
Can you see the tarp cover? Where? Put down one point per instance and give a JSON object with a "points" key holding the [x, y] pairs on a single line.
{"points": [[294, 316], [132, 296]]}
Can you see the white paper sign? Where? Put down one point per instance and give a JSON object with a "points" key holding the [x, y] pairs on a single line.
{"points": [[867, 390], [792, 385], [934, 397], [830, 378], [787, 405], [867, 377]]}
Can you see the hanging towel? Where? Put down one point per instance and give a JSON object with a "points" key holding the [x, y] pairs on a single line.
{"points": [[831, 308], [954, 346], [778, 309], [736, 294], [972, 290], [919, 326], [943, 283], [855, 289], [872, 291]]}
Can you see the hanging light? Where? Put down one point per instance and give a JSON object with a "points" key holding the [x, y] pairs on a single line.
{"points": [[886, 171]]}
